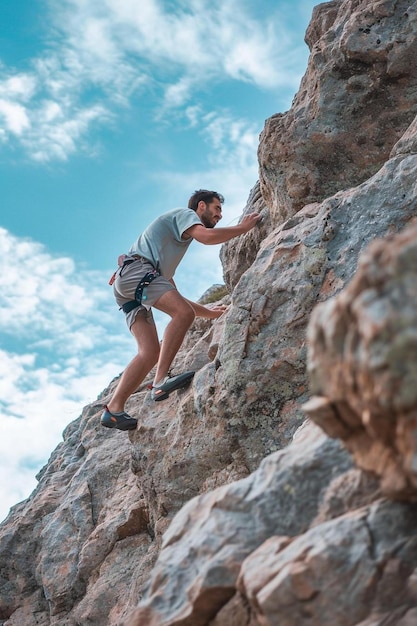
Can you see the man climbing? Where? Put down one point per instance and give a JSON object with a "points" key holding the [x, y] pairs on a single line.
{"points": [[145, 280]]}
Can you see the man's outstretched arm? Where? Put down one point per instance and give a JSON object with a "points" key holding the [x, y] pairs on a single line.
{"points": [[210, 313], [200, 310], [212, 236]]}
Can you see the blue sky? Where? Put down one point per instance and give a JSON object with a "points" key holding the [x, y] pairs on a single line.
{"points": [[112, 112]]}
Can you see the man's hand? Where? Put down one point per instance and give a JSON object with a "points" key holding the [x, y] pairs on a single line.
{"points": [[210, 313], [215, 311], [250, 220]]}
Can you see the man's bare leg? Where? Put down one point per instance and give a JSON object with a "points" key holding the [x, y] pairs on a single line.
{"points": [[182, 316], [148, 352]]}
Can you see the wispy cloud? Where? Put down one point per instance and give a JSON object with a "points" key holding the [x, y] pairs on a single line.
{"points": [[36, 404], [46, 119], [230, 146], [15, 92], [185, 46], [15, 117], [38, 291], [99, 55]]}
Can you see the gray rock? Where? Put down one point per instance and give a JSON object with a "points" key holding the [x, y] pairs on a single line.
{"points": [[207, 541]]}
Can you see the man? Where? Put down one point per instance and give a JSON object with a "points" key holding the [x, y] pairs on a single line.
{"points": [[145, 280]]}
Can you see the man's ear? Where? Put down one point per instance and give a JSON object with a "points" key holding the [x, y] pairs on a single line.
{"points": [[201, 205]]}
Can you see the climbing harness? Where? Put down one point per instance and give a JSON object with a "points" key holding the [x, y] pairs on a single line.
{"points": [[140, 292]]}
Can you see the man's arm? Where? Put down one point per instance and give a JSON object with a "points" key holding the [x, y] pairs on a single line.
{"points": [[200, 310], [210, 313], [212, 236]]}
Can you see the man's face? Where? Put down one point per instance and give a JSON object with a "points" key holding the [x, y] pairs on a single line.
{"points": [[211, 214]]}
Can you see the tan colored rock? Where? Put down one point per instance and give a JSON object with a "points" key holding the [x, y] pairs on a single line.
{"points": [[87, 520], [355, 101], [363, 356], [235, 613]]}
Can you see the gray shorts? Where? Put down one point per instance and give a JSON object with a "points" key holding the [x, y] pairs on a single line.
{"points": [[124, 287]]}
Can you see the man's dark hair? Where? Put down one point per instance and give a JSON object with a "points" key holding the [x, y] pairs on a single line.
{"points": [[206, 196]]}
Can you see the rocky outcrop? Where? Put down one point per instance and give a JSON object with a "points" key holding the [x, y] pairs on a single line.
{"points": [[218, 530], [354, 102], [226, 507], [83, 527], [364, 561], [363, 363], [262, 377]]}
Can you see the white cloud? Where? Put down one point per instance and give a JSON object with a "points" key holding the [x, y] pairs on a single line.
{"points": [[22, 86], [36, 404], [14, 116], [100, 54], [177, 94], [234, 142], [193, 114], [51, 112], [35, 288], [206, 39], [44, 112], [58, 138]]}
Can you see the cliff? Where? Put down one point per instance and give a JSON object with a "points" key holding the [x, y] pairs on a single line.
{"points": [[280, 488]]}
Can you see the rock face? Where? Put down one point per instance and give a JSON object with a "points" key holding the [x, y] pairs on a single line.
{"points": [[228, 506], [218, 530], [367, 384], [354, 102]]}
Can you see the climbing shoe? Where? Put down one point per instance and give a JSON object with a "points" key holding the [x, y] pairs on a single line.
{"points": [[121, 421], [162, 390]]}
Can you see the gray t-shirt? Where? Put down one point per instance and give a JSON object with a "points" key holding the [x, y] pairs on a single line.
{"points": [[161, 241]]}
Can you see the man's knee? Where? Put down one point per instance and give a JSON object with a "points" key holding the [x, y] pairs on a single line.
{"points": [[190, 315], [185, 313], [177, 307]]}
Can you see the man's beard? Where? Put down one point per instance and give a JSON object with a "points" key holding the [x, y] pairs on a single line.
{"points": [[206, 220]]}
